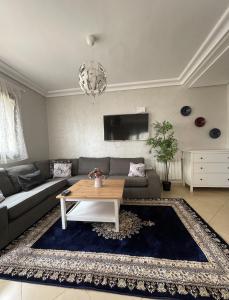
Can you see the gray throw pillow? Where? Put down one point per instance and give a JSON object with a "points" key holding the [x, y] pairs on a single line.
{"points": [[31, 180]]}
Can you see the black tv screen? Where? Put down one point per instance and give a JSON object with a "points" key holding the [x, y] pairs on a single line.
{"points": [[126, 127]]}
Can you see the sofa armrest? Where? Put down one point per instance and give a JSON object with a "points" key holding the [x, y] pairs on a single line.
{"points": [[3, 227], [154, 183]]}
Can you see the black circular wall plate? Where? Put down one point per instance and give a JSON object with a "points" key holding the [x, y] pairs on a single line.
{"points": [[215, 133], [200, 121], [186, 111]]}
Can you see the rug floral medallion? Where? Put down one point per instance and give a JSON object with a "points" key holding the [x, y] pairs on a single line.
{"points": [[163, 249]]}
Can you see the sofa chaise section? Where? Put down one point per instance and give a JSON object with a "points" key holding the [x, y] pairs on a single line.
{"points": [[21, 209]]}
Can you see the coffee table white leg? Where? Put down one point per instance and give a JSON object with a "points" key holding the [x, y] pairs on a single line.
{"points": [[116, 207], [63, 213]]}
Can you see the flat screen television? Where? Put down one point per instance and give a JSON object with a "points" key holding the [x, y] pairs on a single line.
{"points": [[126, 127]]}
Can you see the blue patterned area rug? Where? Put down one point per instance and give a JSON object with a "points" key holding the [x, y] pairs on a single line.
{"points": [[163, 250]]}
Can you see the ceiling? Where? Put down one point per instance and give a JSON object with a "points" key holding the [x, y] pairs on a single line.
{"points": [[43, 42]]}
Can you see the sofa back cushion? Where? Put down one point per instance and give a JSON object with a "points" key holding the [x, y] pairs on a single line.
{"points": [[13, 173], [75, 163], [6, 185], [44, 167], [121, 166], [87, 164]]}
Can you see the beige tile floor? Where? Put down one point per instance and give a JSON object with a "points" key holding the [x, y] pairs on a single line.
{"points": [[211, 204]]}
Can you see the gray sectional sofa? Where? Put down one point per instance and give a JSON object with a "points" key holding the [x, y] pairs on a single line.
{"points": [[21, 209]]}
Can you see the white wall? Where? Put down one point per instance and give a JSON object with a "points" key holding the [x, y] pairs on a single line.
{"points": [[34, 121], [75, 124]]}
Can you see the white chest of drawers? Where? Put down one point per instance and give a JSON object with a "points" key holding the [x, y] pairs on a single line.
{"points": [[206, 168]]}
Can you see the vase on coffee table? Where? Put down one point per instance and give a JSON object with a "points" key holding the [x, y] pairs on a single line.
{"points": [[98, 182], [97, 175]]}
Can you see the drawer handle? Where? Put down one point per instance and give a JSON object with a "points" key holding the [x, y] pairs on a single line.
{"points": [[201, 168], [202, 179], [203, 158]]}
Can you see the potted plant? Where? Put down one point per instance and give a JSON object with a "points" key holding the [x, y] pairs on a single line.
{"points": [[165, 146], [97, 175]]}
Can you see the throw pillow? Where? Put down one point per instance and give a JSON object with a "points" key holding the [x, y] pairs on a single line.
{"points": [[2, 198], [31, 180], [62, 170], [60, 161], [137, 170]]}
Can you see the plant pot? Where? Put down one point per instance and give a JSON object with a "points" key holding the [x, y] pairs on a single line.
{"points": [[166, 185]]}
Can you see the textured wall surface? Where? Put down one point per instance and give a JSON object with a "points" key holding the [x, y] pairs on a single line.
{"points": [[228, 116], [75, 124], [34, 119]]}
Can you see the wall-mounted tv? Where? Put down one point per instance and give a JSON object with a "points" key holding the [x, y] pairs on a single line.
{"points": [[126, 127]]}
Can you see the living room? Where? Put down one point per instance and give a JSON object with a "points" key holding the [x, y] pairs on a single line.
{"points": [[114, 149]]}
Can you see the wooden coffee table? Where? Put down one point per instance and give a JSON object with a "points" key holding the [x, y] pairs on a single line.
{"points": [[93, 204]]}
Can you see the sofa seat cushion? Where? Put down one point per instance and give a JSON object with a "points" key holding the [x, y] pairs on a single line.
{"points": [[87, 164], [74, 179], [22, 202], [132, 181], [13, 173], [121, 166]]}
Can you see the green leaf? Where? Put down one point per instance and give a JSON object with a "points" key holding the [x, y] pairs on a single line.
{"points": [[164, 143]]}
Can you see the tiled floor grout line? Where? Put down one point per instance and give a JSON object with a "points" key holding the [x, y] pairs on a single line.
{"points": [[87, 292], [209, 221], [59, 295], [193, 207]]}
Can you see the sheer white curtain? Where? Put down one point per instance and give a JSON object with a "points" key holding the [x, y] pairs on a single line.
{"points": [[12, 143]]}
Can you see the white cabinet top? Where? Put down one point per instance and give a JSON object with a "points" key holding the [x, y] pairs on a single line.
{"points": [[206, 150]]}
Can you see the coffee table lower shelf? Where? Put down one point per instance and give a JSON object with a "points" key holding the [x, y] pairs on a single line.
{"points": [[91, 210]]}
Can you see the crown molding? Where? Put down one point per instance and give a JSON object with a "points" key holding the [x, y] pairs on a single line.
{"points": [[64, 92], [118, 87], [206, 64], [19, 77], [211, 49]]}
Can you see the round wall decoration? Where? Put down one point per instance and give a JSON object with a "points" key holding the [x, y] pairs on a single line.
{"points": [[186, 111], [200, 121], [215, 133]]}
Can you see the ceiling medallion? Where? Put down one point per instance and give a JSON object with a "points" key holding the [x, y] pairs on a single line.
{"points": [[92, 78]]}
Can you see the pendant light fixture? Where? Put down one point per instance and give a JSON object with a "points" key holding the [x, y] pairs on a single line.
{"points": [[92, 76]]}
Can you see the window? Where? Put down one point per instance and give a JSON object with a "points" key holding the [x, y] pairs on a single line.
{"points": [[12, 144]]}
